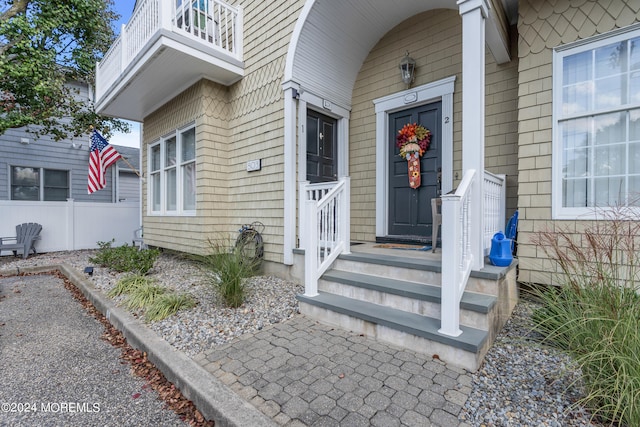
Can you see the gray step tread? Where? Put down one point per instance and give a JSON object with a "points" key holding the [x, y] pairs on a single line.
{"points": [[489, 271], [471, 301], [470, 340]]}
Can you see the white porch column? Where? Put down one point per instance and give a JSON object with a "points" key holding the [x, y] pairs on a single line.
{"points": [[289, 215], [474, 13]]}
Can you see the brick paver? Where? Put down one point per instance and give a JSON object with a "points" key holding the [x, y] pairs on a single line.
{"points": [[303, 373]]}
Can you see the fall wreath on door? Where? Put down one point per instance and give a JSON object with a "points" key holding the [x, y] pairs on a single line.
{"points": [[413, 140]]}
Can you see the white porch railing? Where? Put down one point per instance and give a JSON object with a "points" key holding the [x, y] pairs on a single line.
{"points": [[494, 207], [210, 22], [457, 257], [325, 227]]}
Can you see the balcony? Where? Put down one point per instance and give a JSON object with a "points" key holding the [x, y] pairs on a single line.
{"points": [[167, 46]]}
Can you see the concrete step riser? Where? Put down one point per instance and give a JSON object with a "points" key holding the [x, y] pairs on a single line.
{"points": [[483, 286], [399, 302], [455, 356]]}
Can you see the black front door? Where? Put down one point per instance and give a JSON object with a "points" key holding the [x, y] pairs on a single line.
{"points": [[322, 137], [410, 209]]}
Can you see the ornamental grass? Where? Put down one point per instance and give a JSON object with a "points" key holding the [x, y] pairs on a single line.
{"points": [[594, 314]]}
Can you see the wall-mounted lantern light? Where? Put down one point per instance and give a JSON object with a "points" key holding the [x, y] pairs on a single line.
{"points": [[407, 69]]}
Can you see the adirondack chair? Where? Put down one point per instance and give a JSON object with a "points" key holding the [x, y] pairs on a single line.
{"points": [[25, 239]]}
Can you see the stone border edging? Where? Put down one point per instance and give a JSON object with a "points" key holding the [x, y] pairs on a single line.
{"points": [[212, 398]]}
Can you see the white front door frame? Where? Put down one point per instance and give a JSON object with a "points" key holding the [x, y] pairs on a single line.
{"points": [[441, 90]]}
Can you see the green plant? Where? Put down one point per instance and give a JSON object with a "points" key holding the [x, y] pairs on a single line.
{"points": [[228, 267], [144, 296], [125, 258], [128, 284], [168, 304], [595, 314]]}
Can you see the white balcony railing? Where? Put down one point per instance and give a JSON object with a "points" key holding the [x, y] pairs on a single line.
{"points": [[457, 256], [325, 227], [494, 207], [209, 22]]}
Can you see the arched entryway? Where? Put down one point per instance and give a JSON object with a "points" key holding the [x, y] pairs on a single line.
{"points": [[328, 46]]}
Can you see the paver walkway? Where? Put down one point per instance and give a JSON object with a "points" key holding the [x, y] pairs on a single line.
{"points": [[301, 372]]}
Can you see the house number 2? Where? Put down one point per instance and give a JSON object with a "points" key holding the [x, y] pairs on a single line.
{"points": [[446, 119]]}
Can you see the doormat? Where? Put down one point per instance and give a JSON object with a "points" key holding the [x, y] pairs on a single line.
{"points": [[404, 247]]}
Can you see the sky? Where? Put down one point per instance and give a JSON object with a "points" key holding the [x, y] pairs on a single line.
{"points": [[131, 139]]}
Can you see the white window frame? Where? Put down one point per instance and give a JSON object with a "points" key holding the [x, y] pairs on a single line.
{"points": [[41, 186], [179, 167], [558, 211]]}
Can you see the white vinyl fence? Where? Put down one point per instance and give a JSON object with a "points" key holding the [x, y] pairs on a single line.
{"points": [[71, 225]]}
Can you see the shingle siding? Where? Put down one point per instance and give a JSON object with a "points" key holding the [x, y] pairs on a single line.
{"points": [[437, 50], [543, 26], [233, 125]]}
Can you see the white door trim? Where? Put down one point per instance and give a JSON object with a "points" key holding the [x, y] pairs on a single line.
{"points": [[441, 90]]}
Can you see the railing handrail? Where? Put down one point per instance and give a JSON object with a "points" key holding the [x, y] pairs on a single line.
{"points": [[457, 257], [321, 185], [331, 194], [464, 186]]}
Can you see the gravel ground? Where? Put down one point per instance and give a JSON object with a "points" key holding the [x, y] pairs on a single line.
{"points": [[521, 383], [56, 370]]}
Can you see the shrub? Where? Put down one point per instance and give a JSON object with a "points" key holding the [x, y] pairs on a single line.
{"points": [[125, 258], [168, 304], [595, 314], [228, 268]]}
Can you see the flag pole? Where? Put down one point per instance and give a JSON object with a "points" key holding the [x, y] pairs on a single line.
{"points": [[131, 166]]}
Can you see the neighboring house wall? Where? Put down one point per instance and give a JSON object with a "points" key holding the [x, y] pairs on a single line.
{"points": [[43, 152], [542, 26], [233, 125], [433, 39]]}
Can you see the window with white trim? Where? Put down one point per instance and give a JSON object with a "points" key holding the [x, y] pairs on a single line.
{"points": [[596, 146], [172, 174], [39, 184]]}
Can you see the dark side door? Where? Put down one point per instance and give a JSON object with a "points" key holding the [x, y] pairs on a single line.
{"points": [[322, 138]]}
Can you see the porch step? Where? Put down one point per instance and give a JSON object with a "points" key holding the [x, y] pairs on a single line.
{"points": [[397, 299], [471, 301], [419, 270], [471, 340]]}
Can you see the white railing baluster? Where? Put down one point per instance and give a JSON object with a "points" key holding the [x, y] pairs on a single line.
{"points": [[457, 258], [494, 207]]}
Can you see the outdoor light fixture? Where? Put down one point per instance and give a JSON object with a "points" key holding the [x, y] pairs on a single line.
{"points": [[89, 270], [407, 69]]}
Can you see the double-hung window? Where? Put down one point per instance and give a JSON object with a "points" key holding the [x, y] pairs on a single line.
{"points": [[172, 173], [40, 184], [596, 119]]}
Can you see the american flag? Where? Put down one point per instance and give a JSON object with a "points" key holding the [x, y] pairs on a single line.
{"points": [[101, 157]]}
